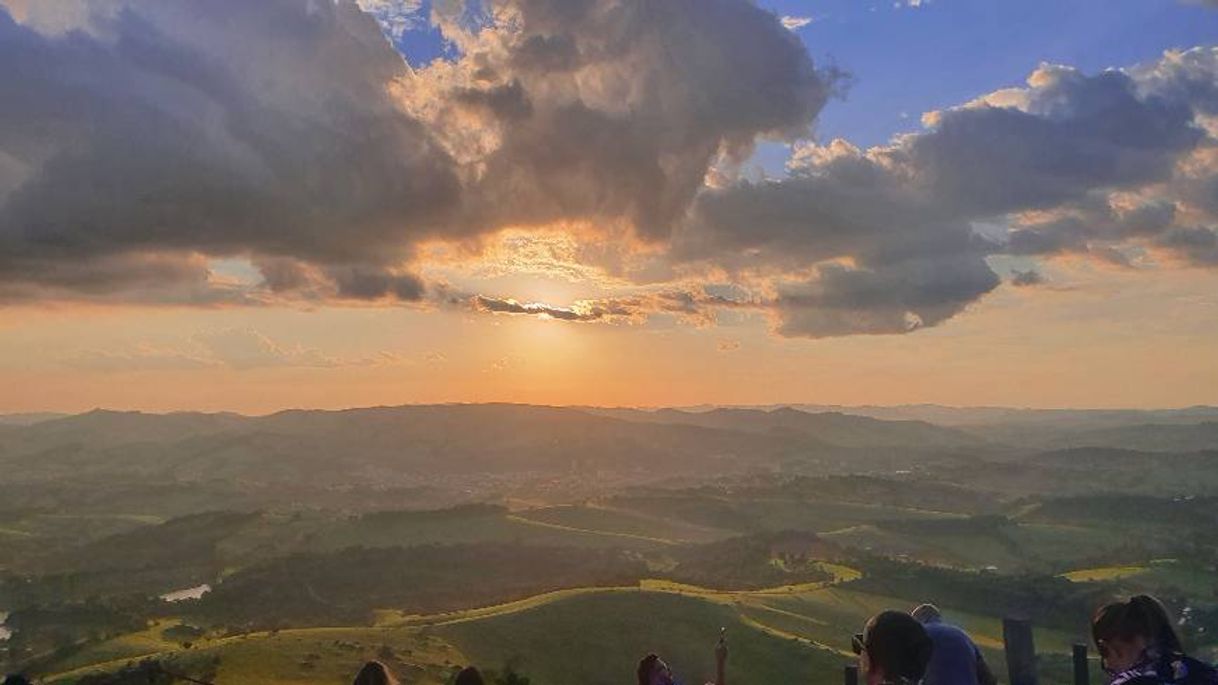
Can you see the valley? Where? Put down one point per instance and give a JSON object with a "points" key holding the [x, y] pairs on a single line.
{"points": [[564, 543]]}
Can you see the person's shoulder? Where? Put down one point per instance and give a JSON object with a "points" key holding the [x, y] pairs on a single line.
{"points": [[941, 628], [1194, 672]]}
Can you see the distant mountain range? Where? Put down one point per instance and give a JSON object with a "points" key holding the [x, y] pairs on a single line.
{"points": [[402, 444], [838, 428], [422, 445], [28, 419], [944, 415], [1156, 430]]}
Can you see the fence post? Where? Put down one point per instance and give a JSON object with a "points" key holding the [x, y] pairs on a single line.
{"points": [[1020, 651], [852, 674], [1082, 673]]}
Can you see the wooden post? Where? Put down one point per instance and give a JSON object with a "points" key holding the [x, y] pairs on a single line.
{"points": [[1020, 650], [852, 674], [1082, 673], [721, 658]]}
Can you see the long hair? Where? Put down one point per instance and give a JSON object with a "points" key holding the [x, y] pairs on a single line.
{"points": [[374, 673], [1141, 616]]}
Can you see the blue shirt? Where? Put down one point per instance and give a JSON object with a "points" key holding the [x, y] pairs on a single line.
{"points": [[954, 659]]}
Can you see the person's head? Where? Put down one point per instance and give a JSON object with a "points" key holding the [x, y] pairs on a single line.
{"points": [[893, 648], [653, 671], [926, 613], [469, 676], [1130, 631], [374, 673]]}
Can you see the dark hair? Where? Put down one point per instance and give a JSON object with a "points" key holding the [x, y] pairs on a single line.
{"points": [[898, 644], [469, 676], [374, 673], [646, 666], [1140, 616]]}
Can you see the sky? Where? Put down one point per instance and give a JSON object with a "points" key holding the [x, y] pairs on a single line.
{"points": [[313, 203]]}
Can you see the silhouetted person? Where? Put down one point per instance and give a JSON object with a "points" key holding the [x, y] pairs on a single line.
{"points": [[893, 649], [469, 676], [654, 671], [1138, 645], [955, 659], [375, 673]]}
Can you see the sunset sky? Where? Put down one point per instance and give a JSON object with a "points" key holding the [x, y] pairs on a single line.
{"points": [[250, 206]]}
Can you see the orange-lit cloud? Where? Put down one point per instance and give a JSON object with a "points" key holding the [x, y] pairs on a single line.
{"points": [[694, 307]]}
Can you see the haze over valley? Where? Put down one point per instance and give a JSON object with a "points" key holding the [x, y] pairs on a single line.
{"points": [[439, 534]]}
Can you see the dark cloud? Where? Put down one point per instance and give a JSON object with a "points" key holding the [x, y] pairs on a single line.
{"points": [[1025, 279], [505, 102], [884, 258], [289, 132], [144, 139], [1091, 226], [1068, 234], [229, 128], [1197, 244], [615, 110], [1073, 133], [123, 278], [364, 283], [897, 298], [889, 235]]}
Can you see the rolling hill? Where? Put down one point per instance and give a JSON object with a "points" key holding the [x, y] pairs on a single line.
{"points": [[382, 446], [836, 428], [410, 445]]}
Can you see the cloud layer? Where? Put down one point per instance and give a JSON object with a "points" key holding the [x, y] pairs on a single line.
{"points": [[143, 136], [159, 132], [1072, 163], [143, 140]]}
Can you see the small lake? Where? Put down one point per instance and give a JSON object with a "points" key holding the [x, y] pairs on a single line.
{"points": [[188, 593]]}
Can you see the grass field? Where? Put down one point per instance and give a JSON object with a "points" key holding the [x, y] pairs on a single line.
{"points": [[791, 633], [121, 648], [767, 514], [324, 655], [1012, 549], [1090, 575], [590, 635], [407, 530], [598, 640], [1169, 576], [624, 523]]}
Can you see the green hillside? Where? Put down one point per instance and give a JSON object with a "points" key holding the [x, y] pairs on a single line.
{"points": [[599, 639]]}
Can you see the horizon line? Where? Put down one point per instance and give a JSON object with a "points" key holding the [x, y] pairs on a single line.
{"points": [[826, 408]]}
